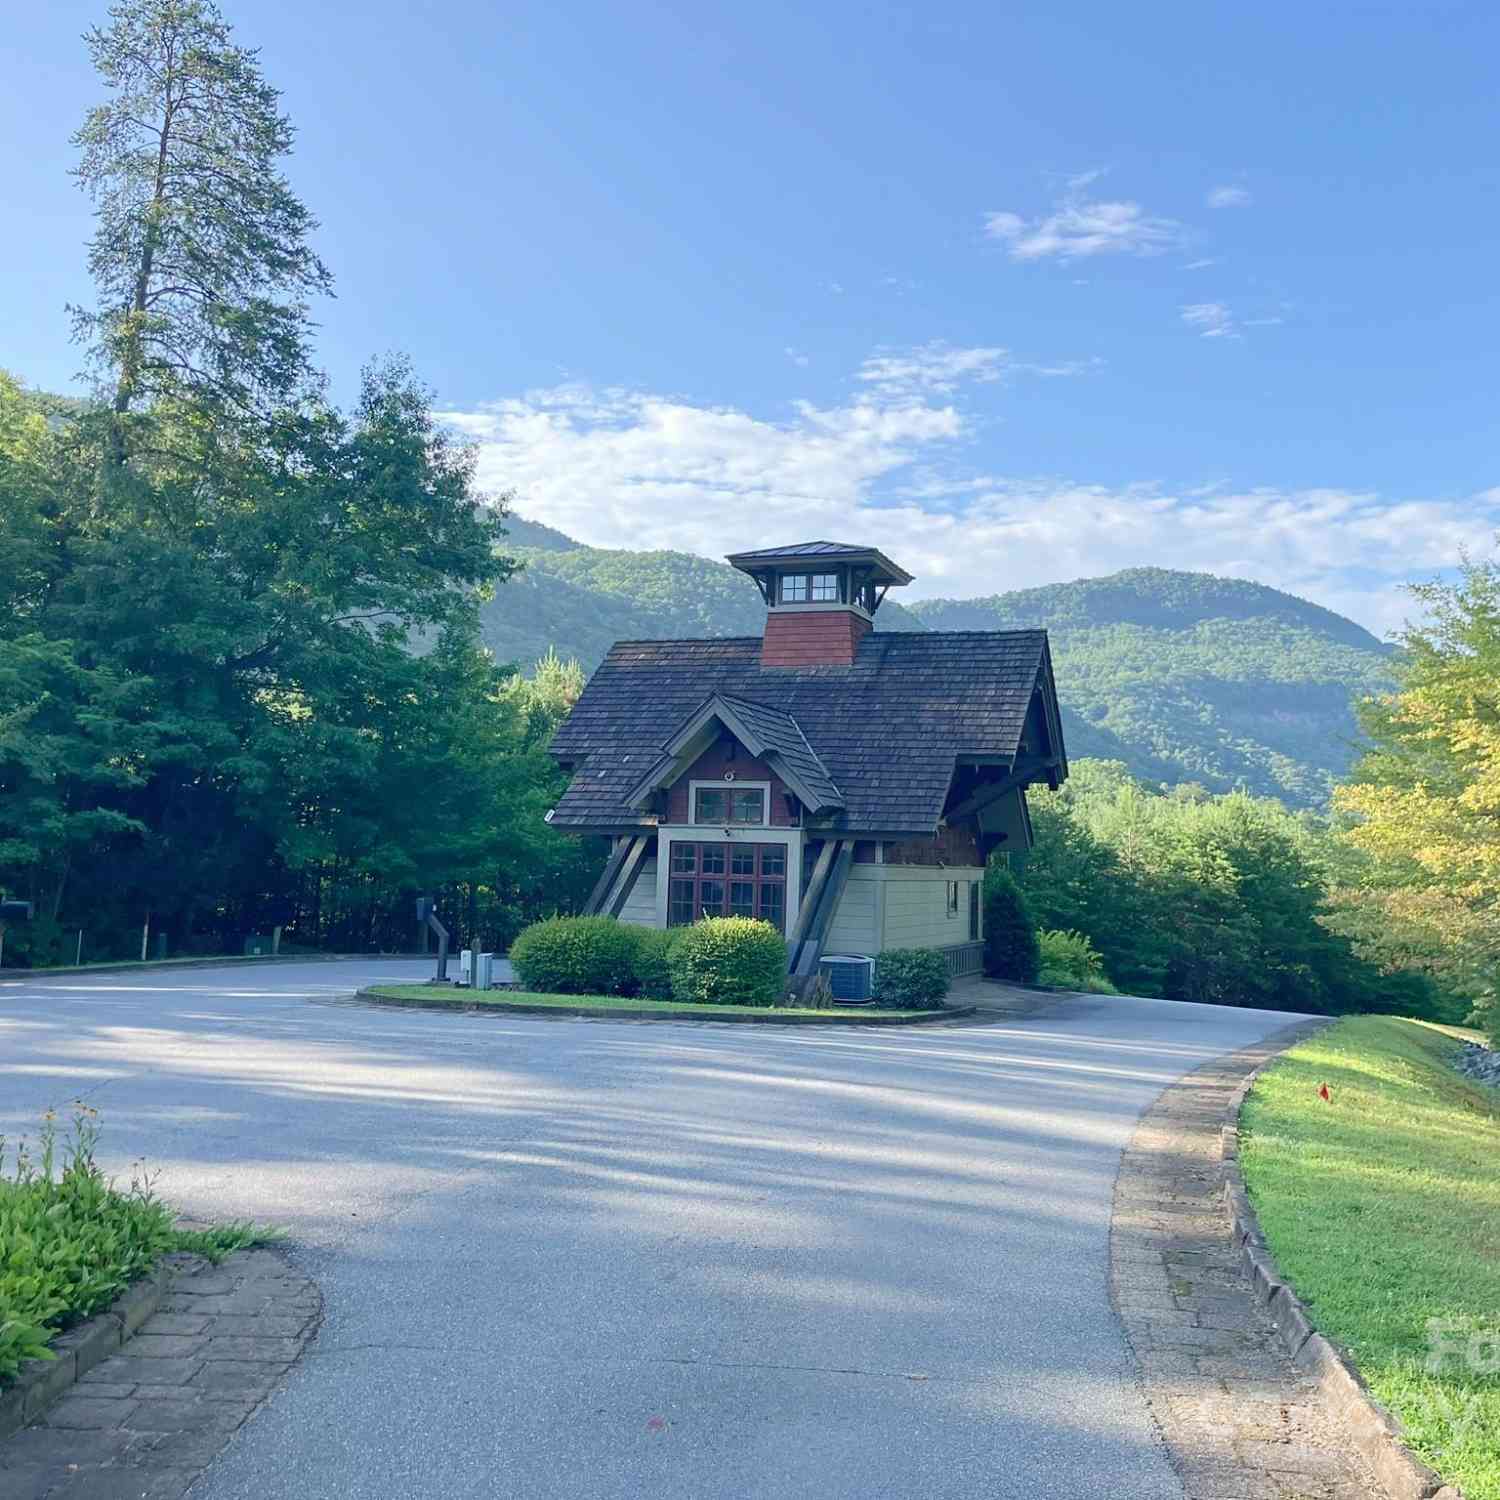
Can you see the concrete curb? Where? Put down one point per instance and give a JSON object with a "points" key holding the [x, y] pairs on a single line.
{"points": [[635, 1013], [1373, 1432], [169, 965], [42, 1381]]}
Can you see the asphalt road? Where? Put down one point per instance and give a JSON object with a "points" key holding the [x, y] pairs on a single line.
{"points": [[602, 1259]]}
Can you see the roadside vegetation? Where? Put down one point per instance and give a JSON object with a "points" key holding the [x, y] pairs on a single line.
{"points": [[436, 995], [1382, 1208], [728, 962], [71, 1240]]}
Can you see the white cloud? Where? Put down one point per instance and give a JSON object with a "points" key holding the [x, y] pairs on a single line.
{"points": [[936, 367], [1228, 197], [1201, 264], [797, 357], [1213, 320], [1080, 226], [621, 468]]}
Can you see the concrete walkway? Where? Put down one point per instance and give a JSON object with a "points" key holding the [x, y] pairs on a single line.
{"points": [[600, 1259]]}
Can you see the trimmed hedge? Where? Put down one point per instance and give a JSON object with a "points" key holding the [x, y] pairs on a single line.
{"points": [[577, 956], [1010, 945], [911, 978], [728, 961], [1070, 961], [653, 946]]}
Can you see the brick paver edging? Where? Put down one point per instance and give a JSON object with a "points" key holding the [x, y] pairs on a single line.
{"points": [[42, 1381], [146, 1419], [635, 1013], [1375, 1433], [1237, 1419]]}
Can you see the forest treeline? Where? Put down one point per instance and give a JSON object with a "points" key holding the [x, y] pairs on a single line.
{"points": [[241, 680]]}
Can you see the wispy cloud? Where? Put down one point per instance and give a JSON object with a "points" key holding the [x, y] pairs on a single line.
{"points": [[939, 369], [1200, 265], [1212, 320], [797, 357], [1079, 226], [1228, 197], [935, 368], [622, 468]]}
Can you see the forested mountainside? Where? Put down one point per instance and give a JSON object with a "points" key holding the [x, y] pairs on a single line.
{"points": [[1183, 676]]}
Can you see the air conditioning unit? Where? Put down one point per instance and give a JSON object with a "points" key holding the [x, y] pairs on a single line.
{"points": [[850, 976]]}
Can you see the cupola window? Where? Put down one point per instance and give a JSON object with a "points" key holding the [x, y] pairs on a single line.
{"points": [[810, 588]]}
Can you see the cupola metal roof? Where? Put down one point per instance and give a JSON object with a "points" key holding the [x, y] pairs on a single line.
{"points": [[804, 554]]}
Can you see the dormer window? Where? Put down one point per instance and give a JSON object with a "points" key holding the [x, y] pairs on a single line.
{"points": [[728, 805], [810, 588]]}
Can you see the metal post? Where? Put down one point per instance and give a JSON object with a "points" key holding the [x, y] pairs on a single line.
{"points": [[78, 956]]}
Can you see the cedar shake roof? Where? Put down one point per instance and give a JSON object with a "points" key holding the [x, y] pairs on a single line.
{"points": [[886, 730], [782, 734]]}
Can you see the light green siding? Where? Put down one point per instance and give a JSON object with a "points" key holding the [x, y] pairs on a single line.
{"points": [[855, 926], [641, 907]]}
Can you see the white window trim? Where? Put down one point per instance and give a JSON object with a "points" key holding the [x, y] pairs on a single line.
{"points": [[687, 833], [730, 786]]}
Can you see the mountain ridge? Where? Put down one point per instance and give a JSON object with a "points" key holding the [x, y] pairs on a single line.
{"points": [[1186, 677]]}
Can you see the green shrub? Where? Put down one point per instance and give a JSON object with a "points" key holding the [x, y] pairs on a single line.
{"points": [[577, 956], [1010, 946], [912, 978], [1069, 961], [653, 977], [728, 961], [71, 1242]]}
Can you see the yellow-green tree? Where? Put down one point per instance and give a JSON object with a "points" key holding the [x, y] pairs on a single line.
{"points": [[1424, 801]]}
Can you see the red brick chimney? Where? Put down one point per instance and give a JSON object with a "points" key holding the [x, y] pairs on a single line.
{"points": [[821, 599], [826, 639]]}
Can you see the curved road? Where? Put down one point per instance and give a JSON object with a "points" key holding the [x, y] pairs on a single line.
{"points": [[603, 1259]]}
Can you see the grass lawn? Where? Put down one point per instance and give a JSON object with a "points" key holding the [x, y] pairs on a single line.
{"points": [[436, 995], [1382, 1208]]}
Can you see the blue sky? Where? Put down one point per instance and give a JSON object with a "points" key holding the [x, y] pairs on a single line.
{"points": [[1020, 292]]}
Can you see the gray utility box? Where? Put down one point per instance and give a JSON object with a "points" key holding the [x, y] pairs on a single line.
{"points": [[850, 976], [466, 966], [484, 971]]}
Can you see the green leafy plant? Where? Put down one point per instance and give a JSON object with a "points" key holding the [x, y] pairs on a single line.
{"points": [[1010, 945], [728, 961], [71, 1240], [1069, 961], [653, 975], [915, 978], [577, 956]]}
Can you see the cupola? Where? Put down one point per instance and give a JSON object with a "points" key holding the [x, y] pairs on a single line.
{"points": [[821, 599]]}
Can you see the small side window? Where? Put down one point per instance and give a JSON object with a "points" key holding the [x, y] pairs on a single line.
{"points": [[952, 898], [794, 588]]}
